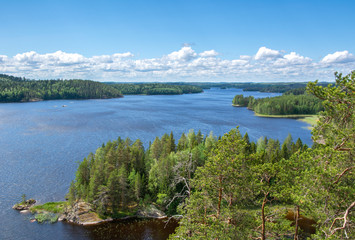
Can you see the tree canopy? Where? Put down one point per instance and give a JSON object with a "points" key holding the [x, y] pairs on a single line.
{"points": [[317, 182], [155, 88], [14, 89], [287, 104]]}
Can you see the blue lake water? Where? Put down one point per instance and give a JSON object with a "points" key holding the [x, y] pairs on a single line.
{"points": [[41, 144]]}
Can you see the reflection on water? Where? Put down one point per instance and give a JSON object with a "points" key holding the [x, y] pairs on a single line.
{"points": [[42, 142], [133, 229]]}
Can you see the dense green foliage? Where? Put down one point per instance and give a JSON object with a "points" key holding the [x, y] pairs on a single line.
{"points": [[13, 89], [121, 174], [155, 88], [241, 101], [282, 105], [236, 193]]}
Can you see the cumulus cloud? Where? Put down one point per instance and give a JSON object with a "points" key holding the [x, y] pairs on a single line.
{"points": [[267, 53], [210, 53], [184, 54], [184, 64], [339, 57], [292, 59]]}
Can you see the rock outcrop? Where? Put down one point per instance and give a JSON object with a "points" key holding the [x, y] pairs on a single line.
{"points": [[24, 205], [150, 212], [82, 213]]}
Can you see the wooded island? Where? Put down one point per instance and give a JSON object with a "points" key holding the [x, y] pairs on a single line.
{"points": [[291, 103]]}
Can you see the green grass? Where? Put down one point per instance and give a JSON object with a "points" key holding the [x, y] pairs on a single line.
{"points": [[312, 120], [46, 217], [53, 207]]}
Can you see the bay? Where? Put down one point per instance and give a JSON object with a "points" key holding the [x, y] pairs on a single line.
{"points": [[41, 144]]}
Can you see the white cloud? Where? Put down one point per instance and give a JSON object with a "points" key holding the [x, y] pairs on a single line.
{"points": [[28, 57], [267, 53], [292, 59], [210, 53], [339, 57], [296, 58], [182, 65], [3, 58], [184, 54], [62, 58], [58, 57], [122, 55], [245, 57]]}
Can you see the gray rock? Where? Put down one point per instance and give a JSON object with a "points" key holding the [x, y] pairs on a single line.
{"points": [[151, 212], [25, 211]]}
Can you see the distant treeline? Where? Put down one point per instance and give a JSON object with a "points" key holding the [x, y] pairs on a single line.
{"points": [[14, 89], [293, 102], [17, 89], [261, 87], [155, 88]]}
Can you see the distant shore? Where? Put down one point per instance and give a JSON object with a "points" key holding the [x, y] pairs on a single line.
{"points": [[285, 116]]}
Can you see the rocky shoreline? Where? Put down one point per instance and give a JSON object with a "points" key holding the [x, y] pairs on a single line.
{"points": [[25, 205], [83, 213]]}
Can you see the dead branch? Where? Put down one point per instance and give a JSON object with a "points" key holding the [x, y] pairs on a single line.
{"points": [[340, 175], [345, 217]]}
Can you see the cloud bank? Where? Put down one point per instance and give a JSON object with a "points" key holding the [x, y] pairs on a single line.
{"points": [[182, 65]]}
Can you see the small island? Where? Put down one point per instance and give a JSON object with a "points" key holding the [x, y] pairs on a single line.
{"points": [[295, 103]]}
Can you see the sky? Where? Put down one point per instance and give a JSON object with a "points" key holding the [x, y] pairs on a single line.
{"points": [[177, 40]]}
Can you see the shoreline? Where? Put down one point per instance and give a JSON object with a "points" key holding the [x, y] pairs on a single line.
{"points": [[295, 116], [32, 100], [310, 119], [81, 213]]}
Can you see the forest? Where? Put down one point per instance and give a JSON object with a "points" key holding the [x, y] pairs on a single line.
{"points": [[231, 188], [155, 88], [293, 102], [14, 89], [278, 87], [17, 89]]}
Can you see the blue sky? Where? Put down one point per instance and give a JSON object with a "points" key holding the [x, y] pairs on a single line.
{"points": [[177, 40]]}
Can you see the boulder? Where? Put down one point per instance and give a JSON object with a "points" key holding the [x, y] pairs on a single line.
{"points": [[150, 212], [25, 211]]}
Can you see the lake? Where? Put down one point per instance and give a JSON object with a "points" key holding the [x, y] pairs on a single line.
{"points": [[42, 143]]}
